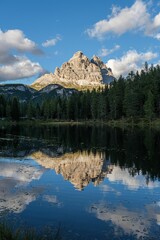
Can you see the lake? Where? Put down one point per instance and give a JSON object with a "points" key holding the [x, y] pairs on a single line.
{"points": [[91, 183]]}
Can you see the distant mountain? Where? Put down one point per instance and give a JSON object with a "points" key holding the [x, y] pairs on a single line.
{"points": [[26, 93], [51, 91], [21, 91], [79, 72]]}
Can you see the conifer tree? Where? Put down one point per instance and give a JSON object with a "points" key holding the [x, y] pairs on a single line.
{"points": [[15, 109], [149, 106]]}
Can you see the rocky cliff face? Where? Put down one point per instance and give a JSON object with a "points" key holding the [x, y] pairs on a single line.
{"points": [[79, 72]]}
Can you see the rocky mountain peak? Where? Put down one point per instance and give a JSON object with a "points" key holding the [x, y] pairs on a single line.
{"points": [[78, 54], [96, 60], [79, 59], [79, 72]]}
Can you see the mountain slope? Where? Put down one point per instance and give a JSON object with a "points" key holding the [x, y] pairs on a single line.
{"points": [[52, 91], [26, 93], [79, 72], [23, 92]]}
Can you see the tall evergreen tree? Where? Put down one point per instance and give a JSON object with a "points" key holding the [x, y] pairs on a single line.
{"points": [[15, 109], [149, 106]]}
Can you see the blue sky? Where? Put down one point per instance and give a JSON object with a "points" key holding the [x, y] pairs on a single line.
{"points": [[36, 36]]}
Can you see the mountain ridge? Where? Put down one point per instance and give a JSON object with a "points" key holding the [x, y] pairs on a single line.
{"points": [[25, 93], [79, 72]]}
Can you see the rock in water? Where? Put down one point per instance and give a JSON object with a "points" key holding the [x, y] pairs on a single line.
{"points": [[79, 72]]}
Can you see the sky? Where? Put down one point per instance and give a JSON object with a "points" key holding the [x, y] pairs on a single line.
{"points": [[36, 36]]}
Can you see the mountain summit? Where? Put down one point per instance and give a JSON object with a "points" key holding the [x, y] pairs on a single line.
{"points": [[79, 72]]}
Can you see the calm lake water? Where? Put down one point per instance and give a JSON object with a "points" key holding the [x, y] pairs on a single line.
{"points": [[92, 183]]}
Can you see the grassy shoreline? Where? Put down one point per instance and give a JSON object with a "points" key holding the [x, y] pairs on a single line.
{"points": [[142, 123]]}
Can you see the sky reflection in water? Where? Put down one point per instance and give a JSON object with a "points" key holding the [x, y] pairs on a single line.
{"points": [[96, 191]]}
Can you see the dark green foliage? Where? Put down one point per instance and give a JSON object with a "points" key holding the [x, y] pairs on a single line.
{"points": [[9, 233], [2, 106], [149, 106], [136, 96], [15, 109], [116, 96], [30, 110]]}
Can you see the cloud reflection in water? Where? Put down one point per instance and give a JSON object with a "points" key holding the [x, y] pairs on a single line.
{"points": [[15, 177]]}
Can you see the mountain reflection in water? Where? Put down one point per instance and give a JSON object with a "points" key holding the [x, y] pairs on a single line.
{"points": [[80, 168], [118, 171], [58, 147]]}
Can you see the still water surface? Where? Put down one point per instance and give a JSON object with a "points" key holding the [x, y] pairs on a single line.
{"points": [[94, 183]]}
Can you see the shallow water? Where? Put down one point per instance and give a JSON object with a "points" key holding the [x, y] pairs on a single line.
{"points": [[92, 183]]}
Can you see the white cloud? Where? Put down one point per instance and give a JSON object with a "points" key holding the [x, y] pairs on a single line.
{"points": [[19, 172], [115, 10], [156, 21], [157, 36], [105, 52], [129, 220], [22, 68], [52, 199], [51, 42], [17, 200], [15, 177], [135, 18], [106, 188], [121, 21], [131, 61], [132, 182], [11, 65], [16, 40]]}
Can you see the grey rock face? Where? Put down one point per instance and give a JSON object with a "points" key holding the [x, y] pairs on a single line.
{"points": [[79, 72]]}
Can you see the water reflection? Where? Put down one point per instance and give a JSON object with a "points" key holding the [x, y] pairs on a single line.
{"points": [[53, 200], [84, 154], [15, 177], [137, 150], [136, 223], [124, 177], [22, 172], [80, 168], [123, 165]]}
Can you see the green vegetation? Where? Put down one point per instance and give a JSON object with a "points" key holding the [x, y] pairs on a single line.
{"points": [[134, 98], [9, 233]]}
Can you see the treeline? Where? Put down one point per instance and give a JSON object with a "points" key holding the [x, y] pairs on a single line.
{"points": [[136, 96]]}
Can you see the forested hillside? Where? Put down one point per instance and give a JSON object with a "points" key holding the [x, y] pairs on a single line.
{"points": [[136, 96]]}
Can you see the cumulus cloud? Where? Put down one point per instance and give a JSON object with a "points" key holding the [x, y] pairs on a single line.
{"points": [[24, 173], [22, 68], [135, 18], [131, 221], [136, 182], [51, 42], [105, 52], [17, 200], [131, 61], [14, 42], [52, 199], [15, 177]]}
